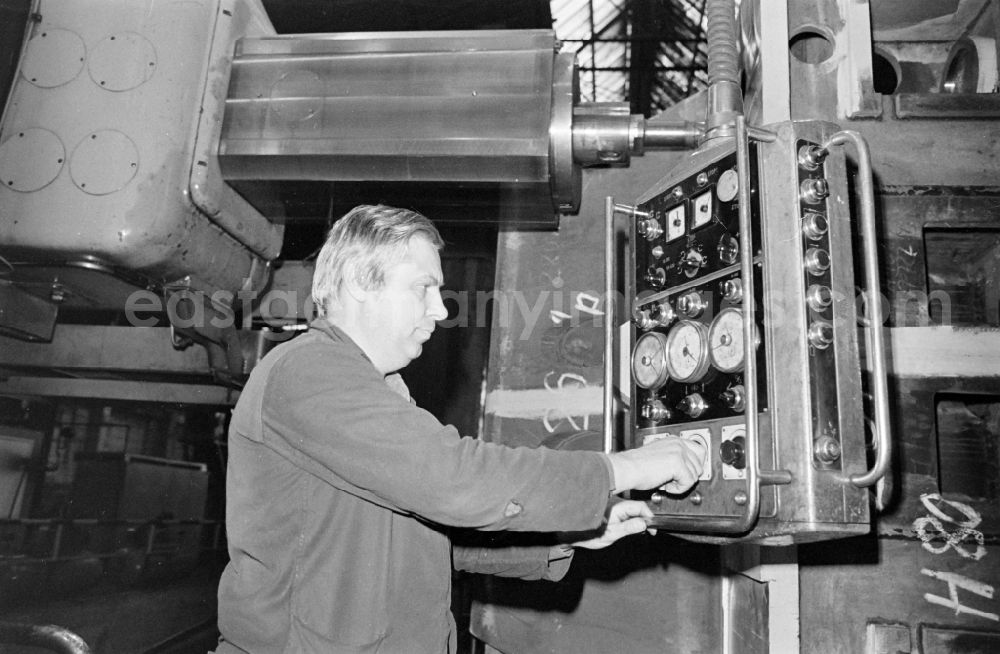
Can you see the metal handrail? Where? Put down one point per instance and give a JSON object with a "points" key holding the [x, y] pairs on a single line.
{"points": [[876, 340]]}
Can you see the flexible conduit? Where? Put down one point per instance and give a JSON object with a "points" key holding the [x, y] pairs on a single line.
{"points": [[725, 99]]}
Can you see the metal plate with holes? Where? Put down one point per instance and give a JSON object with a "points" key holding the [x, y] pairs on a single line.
{"points": [[30, 159], [105, 63], [104, 162], [53, 57]]}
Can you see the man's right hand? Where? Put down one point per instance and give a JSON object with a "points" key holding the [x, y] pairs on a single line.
{"points": [[671, 461]]}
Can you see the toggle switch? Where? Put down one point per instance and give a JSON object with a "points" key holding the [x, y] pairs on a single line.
{"points": [[811, 156], [814, 191]]}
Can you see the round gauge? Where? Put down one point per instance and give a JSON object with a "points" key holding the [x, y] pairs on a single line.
{"points": [[728, 186], [687, 351], [649, 360], [726, 339]]}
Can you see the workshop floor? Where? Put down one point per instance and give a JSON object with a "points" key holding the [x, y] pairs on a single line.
{"points": [[171, 617]]}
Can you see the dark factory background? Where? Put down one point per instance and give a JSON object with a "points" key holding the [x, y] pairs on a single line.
{"points": [[113, 436]]}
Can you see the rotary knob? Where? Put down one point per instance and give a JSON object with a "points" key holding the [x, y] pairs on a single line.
{"points": [[691, 304], [655, 410], [729, 249], [733, 453], [664, 314], [732, 290], [733, 398], [650, 228], [694, 405], [693, 262], [656, 276], [643, 320]]}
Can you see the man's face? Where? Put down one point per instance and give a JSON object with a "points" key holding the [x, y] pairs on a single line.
{"points": [[400, 317]]}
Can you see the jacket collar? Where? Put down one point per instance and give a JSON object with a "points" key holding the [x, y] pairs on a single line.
{"points": [[337, 335]]}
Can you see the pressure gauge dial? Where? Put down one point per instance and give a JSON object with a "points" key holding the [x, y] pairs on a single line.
{"points": [[728, 186], [726, 338], [687, 351], [649, 360]]}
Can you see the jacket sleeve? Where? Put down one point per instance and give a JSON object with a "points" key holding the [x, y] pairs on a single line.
{"points": [[333, 414], [532, 562]]}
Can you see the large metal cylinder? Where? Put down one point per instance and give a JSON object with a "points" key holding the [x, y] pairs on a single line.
{"points": [[481, 108]]}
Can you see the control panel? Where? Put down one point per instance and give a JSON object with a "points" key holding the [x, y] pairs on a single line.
{"points": [[744, 338]]}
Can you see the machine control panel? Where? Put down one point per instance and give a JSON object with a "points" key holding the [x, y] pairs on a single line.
{"points": [[689, 349], [742, 341]]}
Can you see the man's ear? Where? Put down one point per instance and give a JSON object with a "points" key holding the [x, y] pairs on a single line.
{"points": [[352, 286]]}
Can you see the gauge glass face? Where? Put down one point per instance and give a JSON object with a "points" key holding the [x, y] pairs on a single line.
{"points": [[649, 360], [728, 186], [726, 339], [687, 351], [676, 222], [702, 210]]}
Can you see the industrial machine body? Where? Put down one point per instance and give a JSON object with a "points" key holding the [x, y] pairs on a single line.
{"points": [[766, 249]]}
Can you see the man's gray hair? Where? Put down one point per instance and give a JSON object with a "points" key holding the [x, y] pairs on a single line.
{"points": [[362, 245]]}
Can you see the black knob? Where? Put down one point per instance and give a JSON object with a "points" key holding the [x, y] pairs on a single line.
{"points": [[732, 453]]}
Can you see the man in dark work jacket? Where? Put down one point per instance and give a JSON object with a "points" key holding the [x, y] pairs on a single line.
{"points": [[340, 491]]}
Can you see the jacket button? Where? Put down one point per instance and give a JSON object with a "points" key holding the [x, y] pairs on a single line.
{"points": [[513, 508]]}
